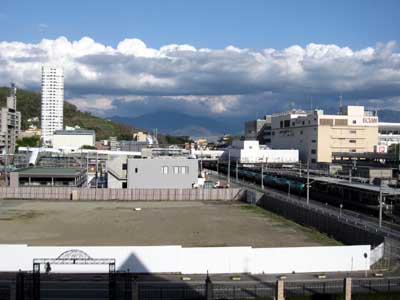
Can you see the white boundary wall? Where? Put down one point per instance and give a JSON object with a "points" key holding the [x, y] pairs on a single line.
{"points": [[176, 259]]}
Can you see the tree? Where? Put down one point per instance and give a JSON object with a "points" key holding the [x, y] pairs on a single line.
{"points": [[88, 147], [32, 141]]}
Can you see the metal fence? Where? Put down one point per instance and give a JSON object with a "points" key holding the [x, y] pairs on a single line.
{"points": [[66, 193], [126, 287]]}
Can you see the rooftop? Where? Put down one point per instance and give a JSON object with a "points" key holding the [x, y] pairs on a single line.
{"points": [[75, 132], [66, 172]]}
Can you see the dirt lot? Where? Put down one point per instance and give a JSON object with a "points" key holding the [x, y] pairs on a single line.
{"points": [[157, 223]]}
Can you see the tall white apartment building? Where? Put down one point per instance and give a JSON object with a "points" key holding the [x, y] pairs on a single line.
{"points": [[52, 102]]}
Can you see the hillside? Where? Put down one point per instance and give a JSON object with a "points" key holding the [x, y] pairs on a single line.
{"points": [[29, 104]]}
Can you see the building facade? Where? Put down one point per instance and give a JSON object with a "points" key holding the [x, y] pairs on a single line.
{"points": [[389, 133], [250, 152], [52, 102], [317, 135], [163, 172], [73, 139], [10, 123], [259, 130]]}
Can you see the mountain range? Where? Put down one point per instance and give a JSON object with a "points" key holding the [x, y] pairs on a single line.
{"points": [[181, 124]]}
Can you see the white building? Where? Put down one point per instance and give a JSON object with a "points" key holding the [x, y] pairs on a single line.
{"points": [[52, 102], [250, 152], [389, 133], [73, 139]]}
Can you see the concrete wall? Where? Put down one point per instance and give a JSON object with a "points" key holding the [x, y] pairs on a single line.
{"points": [[73, 141], [147, 173], [176, 259], [62, 194]]}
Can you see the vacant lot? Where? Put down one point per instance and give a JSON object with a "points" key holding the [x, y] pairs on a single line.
{"points": [[157, 223]]}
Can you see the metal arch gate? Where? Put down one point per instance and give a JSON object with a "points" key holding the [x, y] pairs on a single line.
{"points": [[74, 257]]}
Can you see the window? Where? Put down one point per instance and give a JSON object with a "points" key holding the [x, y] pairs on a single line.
{"points": [[136, 170], [124, 185], [175, 170], [313, 151], [184, 170], [352, 141], [353, 131], [313, 160], [313, 141], [164, 170], [326, 122], [124, 166], [281, 124], [354, 122], [301, 131]]}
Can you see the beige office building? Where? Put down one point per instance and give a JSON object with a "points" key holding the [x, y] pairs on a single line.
{"points": [[317, 135]]}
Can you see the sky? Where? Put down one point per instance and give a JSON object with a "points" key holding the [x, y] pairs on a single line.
{"points": [[220, 58]]}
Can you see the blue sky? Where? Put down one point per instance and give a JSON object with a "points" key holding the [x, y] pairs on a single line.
{"points": [[221, 58], [206, 23]]}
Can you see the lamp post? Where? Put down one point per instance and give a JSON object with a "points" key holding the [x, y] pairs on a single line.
{"points": [[340, 210], [289, 190]]}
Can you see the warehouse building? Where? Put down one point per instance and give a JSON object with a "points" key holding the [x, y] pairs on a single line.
{"points": [[250, 152], [41, 177]]}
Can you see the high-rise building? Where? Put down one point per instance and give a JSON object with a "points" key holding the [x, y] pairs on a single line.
{"points": [[52, 102], [10, 123]]}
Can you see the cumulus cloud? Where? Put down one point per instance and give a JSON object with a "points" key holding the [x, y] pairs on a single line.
{"points": [[132, 78]]}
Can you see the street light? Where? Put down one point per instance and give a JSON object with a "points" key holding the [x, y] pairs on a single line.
{"points": [[340, 211]]}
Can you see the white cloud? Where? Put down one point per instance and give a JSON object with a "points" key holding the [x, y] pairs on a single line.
{"points": [[230, 80]]}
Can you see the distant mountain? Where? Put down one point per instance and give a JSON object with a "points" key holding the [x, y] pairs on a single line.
{"points": [[388, 115], [181, 124]]}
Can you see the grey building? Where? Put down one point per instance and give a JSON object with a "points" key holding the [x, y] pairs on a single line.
{"points": [[10, 123], [135, 146], [162, 172], [259, 130], [61, 177]]}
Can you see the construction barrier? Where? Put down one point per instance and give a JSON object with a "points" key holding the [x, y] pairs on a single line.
{"points": [[71, 193]]}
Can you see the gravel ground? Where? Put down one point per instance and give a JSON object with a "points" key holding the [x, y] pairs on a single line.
{"points": [[157, 223]]}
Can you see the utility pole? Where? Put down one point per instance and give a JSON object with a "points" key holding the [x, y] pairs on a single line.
{"points": [[308, 181], [288, 190], [380, 203], [87, 169], [300, 168], [201, 160], [97, 168], [237, 177], [262, 176], [229, 167]]}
